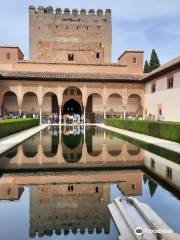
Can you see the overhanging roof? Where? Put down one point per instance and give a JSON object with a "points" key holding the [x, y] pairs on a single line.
{"points": [[92, 77], [164, 69], [76, 77]]}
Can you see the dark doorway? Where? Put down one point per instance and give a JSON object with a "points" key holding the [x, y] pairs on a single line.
{"points": [[55, 108], [71, 107]]}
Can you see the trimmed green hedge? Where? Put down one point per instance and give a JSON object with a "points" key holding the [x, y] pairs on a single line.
{"points": [[8, 127], [164, 130]]}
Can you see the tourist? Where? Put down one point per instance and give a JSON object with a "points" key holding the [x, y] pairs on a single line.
{"points": [[78, 118], [160, 117], [71, 119]]}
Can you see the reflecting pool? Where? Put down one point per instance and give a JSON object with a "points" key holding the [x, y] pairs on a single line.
{"points": [[57, 184]]}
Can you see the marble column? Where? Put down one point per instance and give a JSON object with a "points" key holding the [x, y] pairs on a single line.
{"points": [[60, 115], [84, 107], [40, 115], [124, 109], [104, 112], [20, 109]]}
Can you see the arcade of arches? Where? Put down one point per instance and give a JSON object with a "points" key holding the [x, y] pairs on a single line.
{"points": [[73, 145], [93, 103]]}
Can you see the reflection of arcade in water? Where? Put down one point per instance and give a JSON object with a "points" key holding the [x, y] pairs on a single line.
{"points": [[94, 148], [72, 147]]}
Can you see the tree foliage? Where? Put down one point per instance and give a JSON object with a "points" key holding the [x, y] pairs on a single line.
{"points": [[146, 67], [154, 61]]}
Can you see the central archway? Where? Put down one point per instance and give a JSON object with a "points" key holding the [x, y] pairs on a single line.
{"points": [[72, 101], [71, 106]]}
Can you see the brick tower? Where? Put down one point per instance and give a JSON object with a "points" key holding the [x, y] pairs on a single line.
{"points": [[70, 37]]}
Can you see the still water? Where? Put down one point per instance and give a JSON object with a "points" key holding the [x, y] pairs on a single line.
{"points": [[57, 184]]}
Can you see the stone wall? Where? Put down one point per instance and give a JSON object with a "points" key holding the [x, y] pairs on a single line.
{"points": [[30, 66]]}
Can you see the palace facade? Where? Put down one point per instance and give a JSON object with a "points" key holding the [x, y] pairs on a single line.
{"points": [[70, 70]]}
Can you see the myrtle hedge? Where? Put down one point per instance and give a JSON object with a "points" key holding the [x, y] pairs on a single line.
{"points": [[8, 127], [159, 129]]}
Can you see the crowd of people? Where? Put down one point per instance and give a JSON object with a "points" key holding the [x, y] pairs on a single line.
{"points": [[50, 119], [17, 115], [66, 119], [152, 117], [76, 118], [149, 116], [73, 118]]}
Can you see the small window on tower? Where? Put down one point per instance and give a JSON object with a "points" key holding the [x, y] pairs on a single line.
{"points": [[134, 60], [70, 57], [8, 56], [97, 55]]}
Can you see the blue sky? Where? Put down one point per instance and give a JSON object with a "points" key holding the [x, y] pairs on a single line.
{"points": [[137, 24]]}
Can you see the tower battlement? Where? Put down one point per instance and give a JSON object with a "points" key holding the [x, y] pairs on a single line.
{"points": [[70, 36], [67, 12]]}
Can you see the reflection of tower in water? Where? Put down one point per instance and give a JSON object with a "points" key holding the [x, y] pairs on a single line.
{"points": [[69, 208]]}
